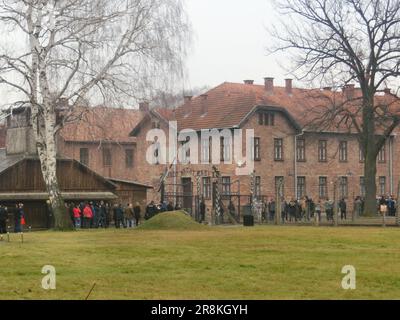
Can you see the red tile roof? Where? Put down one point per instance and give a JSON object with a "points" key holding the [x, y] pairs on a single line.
{"points": [[103, 124], [229, 104], [226, 105]]}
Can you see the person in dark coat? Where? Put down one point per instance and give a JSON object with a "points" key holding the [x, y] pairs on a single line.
{"points": [[95, 210], [136, 212], [271, 209], [284, 210], [164, 206], [108, 215], [151, 210], [170, 207], [102, 215], [391, 206], [119, 216], [3, 221], [19, 214], [202, 210], [342, 207], [232, 209], [292, 210], [70, 210]]}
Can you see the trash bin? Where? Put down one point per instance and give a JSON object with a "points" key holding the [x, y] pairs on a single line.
{"points": [[248, 219]]}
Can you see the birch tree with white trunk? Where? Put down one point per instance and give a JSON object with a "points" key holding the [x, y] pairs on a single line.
{"points": [[58, 51]]}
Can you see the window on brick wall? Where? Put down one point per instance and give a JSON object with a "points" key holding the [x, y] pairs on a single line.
{"points": [[84, 156], [129, 158], [382, 186], [322, 151], [301, 187], [271, 119], [206, 150], [226, 186], [225, 149], [301, 150], [382, 154], [207, 187], [260, 118], [323, 187], [155, 124], [278, 149], [343, 151], [343, 187], [256, 149], [107, 157], [266, 118]]}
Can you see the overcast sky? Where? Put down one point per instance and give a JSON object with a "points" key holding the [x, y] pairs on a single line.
{"points": [[230, 41]]}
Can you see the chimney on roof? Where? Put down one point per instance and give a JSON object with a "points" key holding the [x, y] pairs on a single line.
{"points": [[386, 90], [289, 86], [348, 91], [248, 81], [187, 98], [269, 84], [144, 106]]}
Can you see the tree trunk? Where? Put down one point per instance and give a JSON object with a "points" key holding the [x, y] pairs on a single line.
{"points": [[370, 186], [370, 152], [47, 152], [62, 220]]}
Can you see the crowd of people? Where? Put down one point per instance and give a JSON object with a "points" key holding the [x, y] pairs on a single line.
{"points": [[87, 215], [154, 208], [101, 215], [306, 208], [18, 215]]}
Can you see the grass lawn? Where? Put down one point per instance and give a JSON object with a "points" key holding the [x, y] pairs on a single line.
{"points": [[264, 262]]}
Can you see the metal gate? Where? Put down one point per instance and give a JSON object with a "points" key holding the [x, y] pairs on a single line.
{"points": [[180, 195], [229, 201]]}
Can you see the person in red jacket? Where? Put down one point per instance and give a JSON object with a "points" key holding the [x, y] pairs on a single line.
{"points": [[77, 216], [87, 216]]}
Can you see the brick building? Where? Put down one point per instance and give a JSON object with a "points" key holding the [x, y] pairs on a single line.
{"points": [[82, 172], [286, 146], [100, 140]]}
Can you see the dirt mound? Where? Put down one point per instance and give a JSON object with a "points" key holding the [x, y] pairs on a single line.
{"points": [[174, 220]]}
